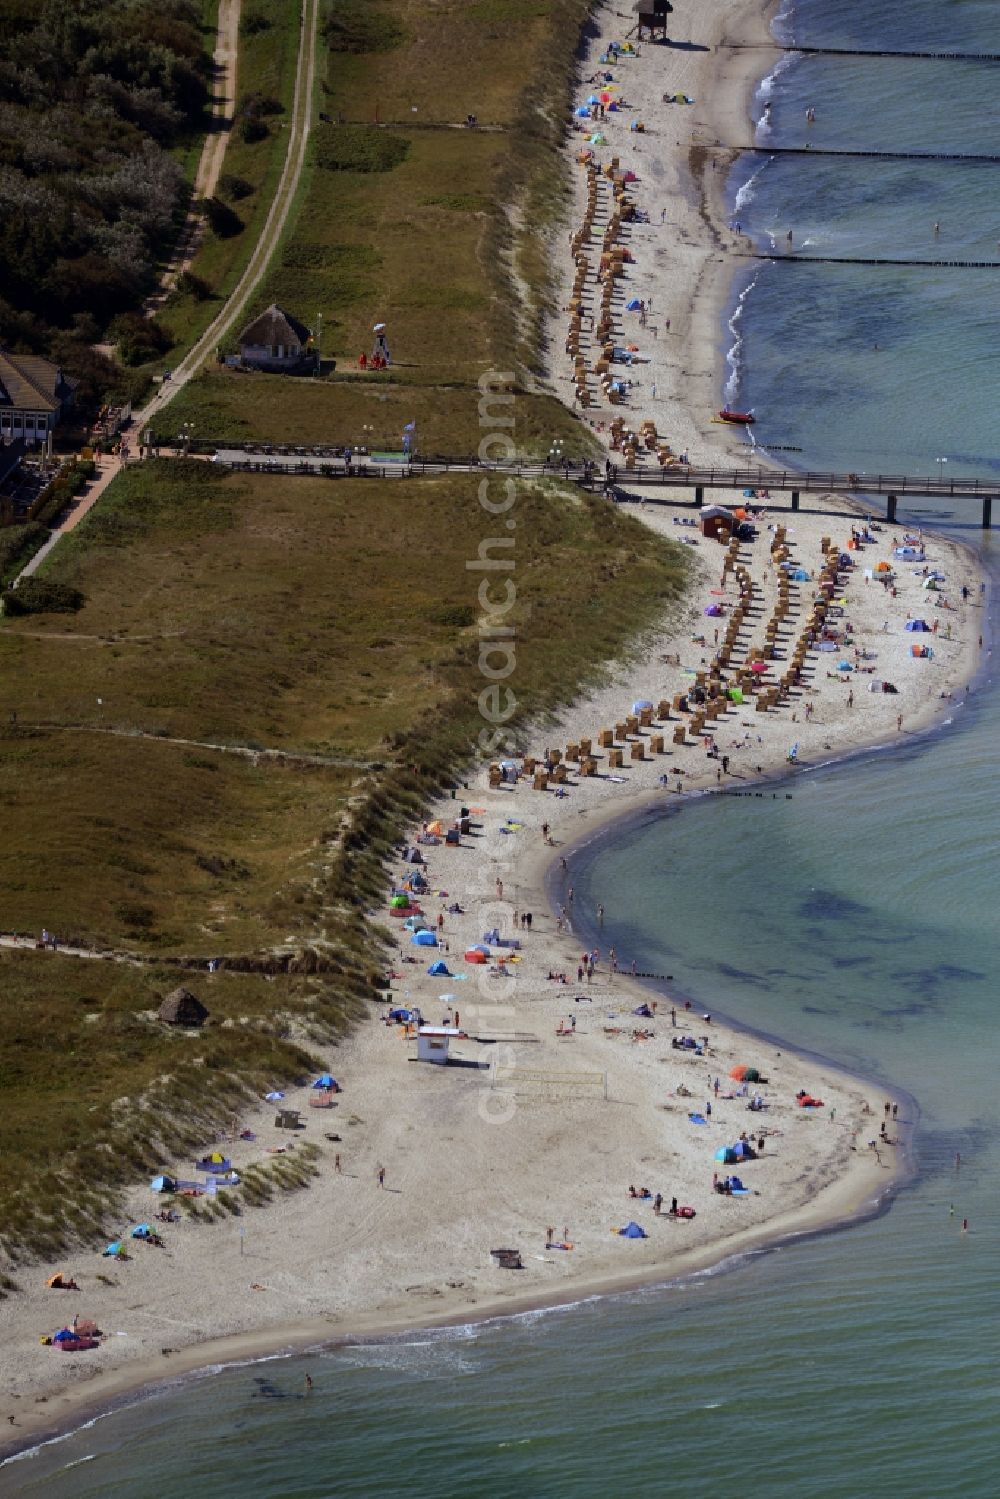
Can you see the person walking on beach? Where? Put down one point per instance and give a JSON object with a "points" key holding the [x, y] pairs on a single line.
{"points": [[336, 1163], [600, 916], [380, 1173]]}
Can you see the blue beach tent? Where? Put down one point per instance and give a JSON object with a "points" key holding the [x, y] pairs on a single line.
{"points": [[424, 939], [439, 969], [632, 1231], [919, 626], [163, 1184]]}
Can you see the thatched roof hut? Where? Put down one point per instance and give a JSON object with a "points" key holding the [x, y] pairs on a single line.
{"points": [[181, 1007]]}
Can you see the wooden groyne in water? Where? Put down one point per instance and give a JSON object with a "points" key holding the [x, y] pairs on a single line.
{"points": [[863, 52], [958, 265], [887, 52], [970, 156]]}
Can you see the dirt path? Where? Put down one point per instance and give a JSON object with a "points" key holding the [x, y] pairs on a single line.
{"points": [[226, 57], [244, 751], [213, 153], [298, 139]]}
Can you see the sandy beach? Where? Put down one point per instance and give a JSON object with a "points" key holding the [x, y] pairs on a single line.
{"points": [[559, 1096]]}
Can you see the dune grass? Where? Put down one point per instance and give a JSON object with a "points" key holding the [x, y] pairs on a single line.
{"points": [[329, 618], [334, 620], [442, 233], [98, 1093]]}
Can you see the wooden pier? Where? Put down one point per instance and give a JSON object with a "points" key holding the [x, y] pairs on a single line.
{"points": [[329, 463], [860, 486]]}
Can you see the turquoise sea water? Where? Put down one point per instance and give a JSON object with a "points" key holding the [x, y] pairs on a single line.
{"points": [[857, 919]]}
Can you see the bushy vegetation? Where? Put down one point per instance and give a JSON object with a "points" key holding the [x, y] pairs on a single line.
{"points": [[96, 96], [354, 148], [70, 481], [17, 544], [41, 596], [362, 26]]}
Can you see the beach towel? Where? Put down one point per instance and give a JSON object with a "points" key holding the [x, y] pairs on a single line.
{"points": [[697, 1119]]}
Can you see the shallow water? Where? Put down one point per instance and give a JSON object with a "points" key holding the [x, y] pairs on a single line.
{"points": [[874, 368], [856, 919]]}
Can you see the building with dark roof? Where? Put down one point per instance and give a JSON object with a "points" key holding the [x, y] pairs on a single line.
{"points": [[275, 341], [34, 395]]}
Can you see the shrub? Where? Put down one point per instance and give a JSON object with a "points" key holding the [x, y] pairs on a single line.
{"points": [[254, 22], [253, 129], [351, 148], [359, 26], [194, 286], [18, 543], [40, 596], [139, 339], [231, 186], [223, 220], [259, 104], [131, 914], [461, 616]]}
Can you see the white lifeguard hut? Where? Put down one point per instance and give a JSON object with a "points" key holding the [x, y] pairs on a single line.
{"points": [[433, 1041]]}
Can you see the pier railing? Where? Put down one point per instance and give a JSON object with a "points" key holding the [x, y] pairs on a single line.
{"points": [[333, 463]]}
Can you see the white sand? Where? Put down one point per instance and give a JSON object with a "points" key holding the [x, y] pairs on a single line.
{"points": [[471, 1166]]}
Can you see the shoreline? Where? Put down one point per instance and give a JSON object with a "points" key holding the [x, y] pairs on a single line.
{"points": [[844, 1202], [109, 1394]]}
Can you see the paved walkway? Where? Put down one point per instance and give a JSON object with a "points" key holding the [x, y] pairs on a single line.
{"points": [[109, 466]]}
